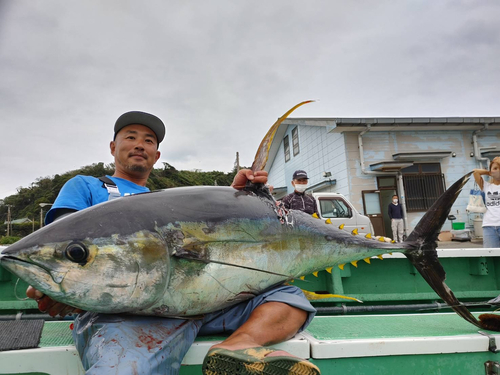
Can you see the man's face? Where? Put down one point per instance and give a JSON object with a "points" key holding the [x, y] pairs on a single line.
{"points": [[135, 149]]}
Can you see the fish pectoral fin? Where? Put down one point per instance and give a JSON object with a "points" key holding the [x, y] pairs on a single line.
{"points": [[311, 296]]}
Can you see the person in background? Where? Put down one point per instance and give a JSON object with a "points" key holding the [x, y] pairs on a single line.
{"points": [[491, 189], [299, 200], [395, 212]]}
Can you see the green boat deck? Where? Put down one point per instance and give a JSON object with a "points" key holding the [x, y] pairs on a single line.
{"points": [[437, 343], [404, 343]]}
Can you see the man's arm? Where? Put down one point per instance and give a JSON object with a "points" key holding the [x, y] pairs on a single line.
{"points": [[71, 198], [286, 201], [477, 176], [315, 206], [389, 211]]}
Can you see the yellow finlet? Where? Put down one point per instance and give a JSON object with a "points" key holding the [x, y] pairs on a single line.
{"points": [[369, 235], [367, 260], [380, 257], [355, 263], [302, 277], [315, 215], [328, 221], [329, 269], [341, 266], [341, 226], [381, 239], [355, 232], [311, 296], [315, 273], [393, 241]]}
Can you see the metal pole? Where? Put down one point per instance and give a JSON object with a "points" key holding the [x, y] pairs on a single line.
{"points": [[9, 225]]}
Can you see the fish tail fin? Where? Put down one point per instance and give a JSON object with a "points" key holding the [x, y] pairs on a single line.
{"points": [[421, 248], [427, 230]]}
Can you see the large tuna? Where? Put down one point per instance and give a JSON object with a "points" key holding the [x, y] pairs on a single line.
{"points": [[187, 251]]}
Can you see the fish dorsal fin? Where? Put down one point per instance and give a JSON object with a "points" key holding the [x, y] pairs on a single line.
{"points": [[263, 151]]}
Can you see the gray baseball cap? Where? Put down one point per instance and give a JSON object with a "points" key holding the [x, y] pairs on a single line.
{"points": [[141, 118]]}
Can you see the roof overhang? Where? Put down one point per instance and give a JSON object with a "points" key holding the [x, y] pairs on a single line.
{"points": [[491, 154], [385, 124], [421, 156], [389, 166], [320, 185], [407, 159], [279, 190]]}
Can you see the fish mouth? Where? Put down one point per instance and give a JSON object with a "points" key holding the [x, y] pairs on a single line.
{"points": [[427, 264], [7, 260]]}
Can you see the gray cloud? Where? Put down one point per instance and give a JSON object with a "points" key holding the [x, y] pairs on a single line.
{"points": [[220, 73]]}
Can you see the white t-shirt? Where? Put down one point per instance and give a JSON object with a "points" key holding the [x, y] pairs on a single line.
{"points": [[492, 216]]}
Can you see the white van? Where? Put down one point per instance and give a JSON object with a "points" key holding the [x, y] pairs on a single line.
{"points": [[340, 211]]}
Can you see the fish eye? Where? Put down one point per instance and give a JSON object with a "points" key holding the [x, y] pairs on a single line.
{"points": [[77, 252]]}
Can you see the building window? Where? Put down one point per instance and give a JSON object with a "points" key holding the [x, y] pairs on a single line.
{"points": [[423, 184], [286, 143], [295, 141]]}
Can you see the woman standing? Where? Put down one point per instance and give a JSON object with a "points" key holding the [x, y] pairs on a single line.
{"points": [[491, 219]]}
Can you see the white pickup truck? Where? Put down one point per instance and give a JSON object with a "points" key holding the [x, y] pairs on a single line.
{"points": [[340, 211]]}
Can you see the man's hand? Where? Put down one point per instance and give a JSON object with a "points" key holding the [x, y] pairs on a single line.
{"points": [[48, 305], [245, 175]]}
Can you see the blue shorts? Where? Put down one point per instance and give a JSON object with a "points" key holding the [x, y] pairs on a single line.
{"points": [[491, 237], [125, 344]]}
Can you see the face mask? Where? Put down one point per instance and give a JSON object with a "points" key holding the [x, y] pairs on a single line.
{"points": [[300, 187], [394, 201], [495, 175]]}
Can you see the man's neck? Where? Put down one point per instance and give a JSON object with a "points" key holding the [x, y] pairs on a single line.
{"points": [[138, 180]]}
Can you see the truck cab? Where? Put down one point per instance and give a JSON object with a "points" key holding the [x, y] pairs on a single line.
{"points": [[339, 210]]}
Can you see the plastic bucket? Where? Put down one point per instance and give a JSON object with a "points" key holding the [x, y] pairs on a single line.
{"points": [[458, 226]]}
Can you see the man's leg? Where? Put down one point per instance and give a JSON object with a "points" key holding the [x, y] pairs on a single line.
{"points": [[394, 227], [138, 345], [267, 319], [270, 323], [400, 230]]}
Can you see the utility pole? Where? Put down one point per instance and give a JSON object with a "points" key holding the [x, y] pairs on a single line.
{"points": [[237, 162], [42, 205], [9, 219]]}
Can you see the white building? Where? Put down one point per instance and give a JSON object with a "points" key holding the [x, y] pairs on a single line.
{"points": [[370, 159]]}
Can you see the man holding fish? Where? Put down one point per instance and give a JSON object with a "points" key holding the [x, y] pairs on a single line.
{"points": [[127, 344]]}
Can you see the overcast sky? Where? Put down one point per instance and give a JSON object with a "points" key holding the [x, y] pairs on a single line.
{"points": [[219, 73]]}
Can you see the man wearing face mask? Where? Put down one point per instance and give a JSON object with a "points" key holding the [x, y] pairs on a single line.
{"points": [[298, 200], [491, 189], [396, 214]]}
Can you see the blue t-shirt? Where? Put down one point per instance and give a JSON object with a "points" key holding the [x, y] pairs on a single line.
{"points": [[85, 191]]}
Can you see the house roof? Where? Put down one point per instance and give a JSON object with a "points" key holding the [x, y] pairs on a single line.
{"points": [[339, 125], [24, 220]]}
